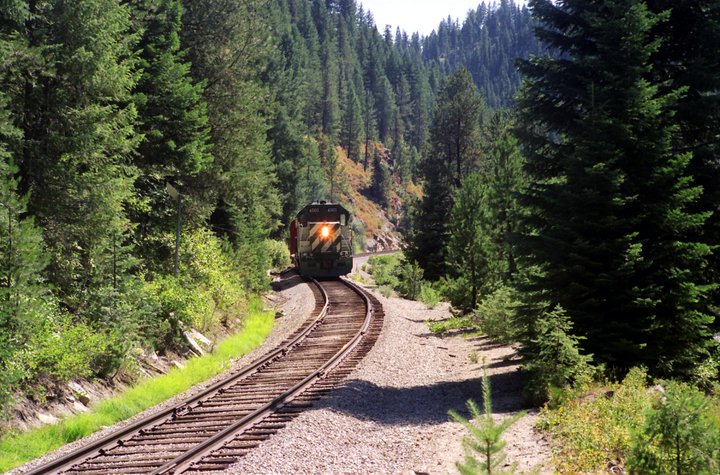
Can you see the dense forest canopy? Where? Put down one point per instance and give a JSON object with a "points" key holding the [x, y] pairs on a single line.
{"points": [[581, 203], [240, 106]]}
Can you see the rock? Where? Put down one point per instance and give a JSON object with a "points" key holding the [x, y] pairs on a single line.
{"points": [[178, 364], [200, 337], [194, 346], [79, 392], [80, 407], [47, 418]]}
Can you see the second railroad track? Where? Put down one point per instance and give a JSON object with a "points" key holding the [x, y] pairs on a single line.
{"points": [[213, 429]]}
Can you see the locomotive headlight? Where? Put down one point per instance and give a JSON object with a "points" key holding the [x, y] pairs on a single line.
{"points": [[325, 232]]}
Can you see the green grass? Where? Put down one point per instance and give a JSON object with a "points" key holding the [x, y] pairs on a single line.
{"points": [[18, 448]]}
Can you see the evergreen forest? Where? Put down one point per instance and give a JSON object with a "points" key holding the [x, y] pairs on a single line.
{"points": [[110, 108], [557, 165]]}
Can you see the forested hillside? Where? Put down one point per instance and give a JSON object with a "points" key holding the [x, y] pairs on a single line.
{"points": [[247, 108]]}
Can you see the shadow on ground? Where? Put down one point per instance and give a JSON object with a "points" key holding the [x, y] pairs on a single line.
{"points": [[423, 404]]}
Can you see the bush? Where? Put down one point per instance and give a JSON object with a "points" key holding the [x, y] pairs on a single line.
{"points": [[454, 323], [593, 425], [410, 276], [64, 349], [428, 295], [384, 270], [279, 254], [496, 315], [680, 434], [554, 359]]}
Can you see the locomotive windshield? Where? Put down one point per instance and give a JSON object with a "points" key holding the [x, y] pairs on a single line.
{"points": [[323, 213]]}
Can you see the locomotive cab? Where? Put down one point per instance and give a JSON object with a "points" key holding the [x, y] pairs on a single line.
{"points": [[321, 240]]}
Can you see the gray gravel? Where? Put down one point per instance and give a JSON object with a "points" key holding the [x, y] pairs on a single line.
{"points": [[390, 416]]}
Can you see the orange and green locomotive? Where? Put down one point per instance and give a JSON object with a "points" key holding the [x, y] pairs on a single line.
{"points": [[321, 240]]}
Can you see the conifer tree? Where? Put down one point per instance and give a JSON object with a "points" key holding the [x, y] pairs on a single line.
{"points": [[453, 153], [24, 295], [78, 143], [381, 180], [173, 121], [612, 226], [227, 43]]}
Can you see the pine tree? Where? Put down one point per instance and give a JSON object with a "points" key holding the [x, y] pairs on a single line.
{"points": [[610, 198], [486, 437], [79, 140], [173, 121], [226, 43], [24, 295], [469, 245], [453, 153], [381, 180]]}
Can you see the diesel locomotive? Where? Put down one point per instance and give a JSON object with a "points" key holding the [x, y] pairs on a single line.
{"points": [[321, 240]]}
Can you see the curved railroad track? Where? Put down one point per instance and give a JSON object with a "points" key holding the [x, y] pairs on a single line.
{"points": [[216, 427]]}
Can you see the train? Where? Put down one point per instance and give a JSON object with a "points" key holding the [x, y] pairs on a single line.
{"points": [[321, 240]]}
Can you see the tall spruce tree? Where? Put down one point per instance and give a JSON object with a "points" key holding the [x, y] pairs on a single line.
{"points": [[24, 295], [174, 124], [229, 48], [453, 153], [78, 142], [612, 230]]}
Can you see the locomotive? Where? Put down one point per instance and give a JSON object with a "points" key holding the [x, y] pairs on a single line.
{"points": [[321, 240]]}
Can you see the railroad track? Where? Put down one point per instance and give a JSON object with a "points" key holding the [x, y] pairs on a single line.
{"points": [[216, 427]]}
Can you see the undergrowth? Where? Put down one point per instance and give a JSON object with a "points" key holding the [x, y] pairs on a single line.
{"points": [[18, 448], [630, 424]]}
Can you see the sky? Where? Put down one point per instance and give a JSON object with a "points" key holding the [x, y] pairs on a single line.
{"points": [[422, 16]]}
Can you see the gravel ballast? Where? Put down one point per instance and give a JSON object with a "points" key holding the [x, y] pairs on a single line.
{"points": [[390, 415]]}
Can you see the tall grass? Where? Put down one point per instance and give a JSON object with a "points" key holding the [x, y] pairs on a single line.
{"points": [[18, 448]]}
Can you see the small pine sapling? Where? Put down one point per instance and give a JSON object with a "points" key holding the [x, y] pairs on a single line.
{"points": [[680, 436], [486, 440]]}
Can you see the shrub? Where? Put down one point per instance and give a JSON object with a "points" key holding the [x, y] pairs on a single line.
{"points": [[64, 349], [680, 434], [428, 295], [554, 359], [593, 425], [384, 270], [279, 254], [386, 291], [454, 323], [410, 277], [495, 315]]}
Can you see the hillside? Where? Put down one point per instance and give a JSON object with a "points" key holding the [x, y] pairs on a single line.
{"points": [[377, 226]]}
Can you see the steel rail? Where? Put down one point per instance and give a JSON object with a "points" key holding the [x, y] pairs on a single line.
{"points": [[184, 461], [114, 439]]}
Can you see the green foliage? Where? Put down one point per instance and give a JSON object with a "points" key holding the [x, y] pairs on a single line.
{"points": [[594, 425], [486, 437], [484, 217], [64, 349], [428, 295], [680, 435], [554, 358], [451, 156], [278, 253], [614, 223], [16, 449], [384, 269], [453, 323], [410, 277], [496, 315]]}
